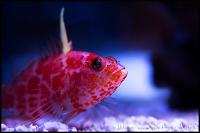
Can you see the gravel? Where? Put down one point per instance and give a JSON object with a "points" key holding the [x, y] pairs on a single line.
{"points": [[115, 117], [120, 123]]}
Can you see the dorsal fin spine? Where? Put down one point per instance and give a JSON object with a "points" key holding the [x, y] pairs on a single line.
{"points": [[66, 45]]}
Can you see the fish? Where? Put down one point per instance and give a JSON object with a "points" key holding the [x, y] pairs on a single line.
{"points": [[64, 84]]}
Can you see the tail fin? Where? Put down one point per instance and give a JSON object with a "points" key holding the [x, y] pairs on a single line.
{"points": [[6, 97]]}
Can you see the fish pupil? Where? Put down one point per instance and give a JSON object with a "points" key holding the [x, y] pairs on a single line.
{"points": [[96, 64]]}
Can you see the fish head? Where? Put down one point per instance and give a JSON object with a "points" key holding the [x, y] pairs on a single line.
{"points": [[97, 78]]}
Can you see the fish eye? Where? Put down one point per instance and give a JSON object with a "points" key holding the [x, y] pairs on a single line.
{"points": [[97, 64]]}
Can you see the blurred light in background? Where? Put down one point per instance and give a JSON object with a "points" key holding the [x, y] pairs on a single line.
{"points": [[139, 82]]}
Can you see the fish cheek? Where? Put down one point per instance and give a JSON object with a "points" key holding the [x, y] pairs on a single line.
{"points": [[89, 96], [78, 89]]}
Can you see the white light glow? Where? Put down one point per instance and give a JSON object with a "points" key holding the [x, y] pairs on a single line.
{"points": [[139, 82]]}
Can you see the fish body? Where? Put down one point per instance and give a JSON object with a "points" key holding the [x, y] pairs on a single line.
{"points": [[68, 82]]}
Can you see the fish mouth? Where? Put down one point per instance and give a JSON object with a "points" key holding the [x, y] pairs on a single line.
{"points": [[120, 69], [124, 74], [123, 71]]}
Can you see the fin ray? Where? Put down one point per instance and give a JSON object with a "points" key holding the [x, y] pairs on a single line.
{"points": [[63, 34]]}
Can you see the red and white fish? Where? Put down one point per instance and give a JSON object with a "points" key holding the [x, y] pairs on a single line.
{"points": [[68, 82]]}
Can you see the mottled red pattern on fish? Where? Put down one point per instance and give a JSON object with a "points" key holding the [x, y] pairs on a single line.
{"points": [[66, 81]]}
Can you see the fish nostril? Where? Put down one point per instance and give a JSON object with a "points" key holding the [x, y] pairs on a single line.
{"points": [[121, 66], [112, 59]]}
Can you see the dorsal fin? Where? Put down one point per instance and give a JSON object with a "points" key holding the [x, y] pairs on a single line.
{"points": [[66, 45]]}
